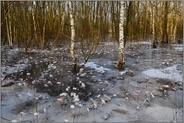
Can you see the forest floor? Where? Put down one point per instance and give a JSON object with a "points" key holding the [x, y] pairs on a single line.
{"points": [[150, 89]]}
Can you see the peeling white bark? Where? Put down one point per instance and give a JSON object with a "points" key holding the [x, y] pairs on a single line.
{"points": [[121, 35], [74, 61]]}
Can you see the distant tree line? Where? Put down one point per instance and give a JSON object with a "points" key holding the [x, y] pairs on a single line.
{"points": [[39, 23]]}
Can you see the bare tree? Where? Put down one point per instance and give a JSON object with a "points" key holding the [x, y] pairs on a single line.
{"points": [[72, 45], [165, 31], [153, 24], [127, 21], [9, 25], [30, 24], [34, 22], [121, 64], [174, 22]]}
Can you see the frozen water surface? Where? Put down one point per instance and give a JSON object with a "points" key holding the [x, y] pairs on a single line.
{"points": [[178, 47], [168, 73], [162, 114], [142, 42], [97, 84], [95, 66]]}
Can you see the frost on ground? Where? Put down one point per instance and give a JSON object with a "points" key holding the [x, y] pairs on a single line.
{"points": [[178, 47], [39, 86], [168, 73], [95, 66]]}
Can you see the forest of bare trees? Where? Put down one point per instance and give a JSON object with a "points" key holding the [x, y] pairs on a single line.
{"points": [[62, 60], [39, 24]]}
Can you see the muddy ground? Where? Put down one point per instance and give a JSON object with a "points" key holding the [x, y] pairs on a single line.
{"points": [[39, 86]]}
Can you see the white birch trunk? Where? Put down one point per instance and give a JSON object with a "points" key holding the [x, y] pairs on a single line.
{"points": [[74, 61], [121, 36]]}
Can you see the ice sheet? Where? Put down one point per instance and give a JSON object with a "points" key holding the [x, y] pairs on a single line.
{"points": [[168, 73], [95, 66]]}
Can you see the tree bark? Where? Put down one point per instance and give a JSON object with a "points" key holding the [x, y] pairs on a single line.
{"points": [[72, 52], [34, 22], [44, 24], [8, 27], [175, 27], [165, 33], [153, 25], [127, 21], [121, 64]]}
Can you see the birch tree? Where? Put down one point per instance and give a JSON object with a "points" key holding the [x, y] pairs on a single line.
{"points": [[72, 52], [41, 24], [34, 22], [165, 31], [121, 63], [8, 26], [127, 21], [174, 23], [153, 24]]}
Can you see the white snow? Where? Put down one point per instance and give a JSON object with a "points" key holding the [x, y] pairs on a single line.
{"points": [[17, 67], [21, 66], [178, 47], [172, 74], [51, 66], [39, 51], [15, 50], [95, 66], [63, 94], [36, 113], [14, 121], [59, 83], [10, 70], [123, 72], [66, 120], [22, 113], [145, 42], [72, 106]]}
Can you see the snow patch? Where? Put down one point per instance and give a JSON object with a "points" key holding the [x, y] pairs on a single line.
{"points": [[142, 42], [10, 70], [21, 66], [39, 51], [178, 47], [95, 66], [172, 73], [123, 72], [14, 50]]}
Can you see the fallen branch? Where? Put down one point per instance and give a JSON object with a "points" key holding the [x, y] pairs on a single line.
{"points": [[5, 119]]}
